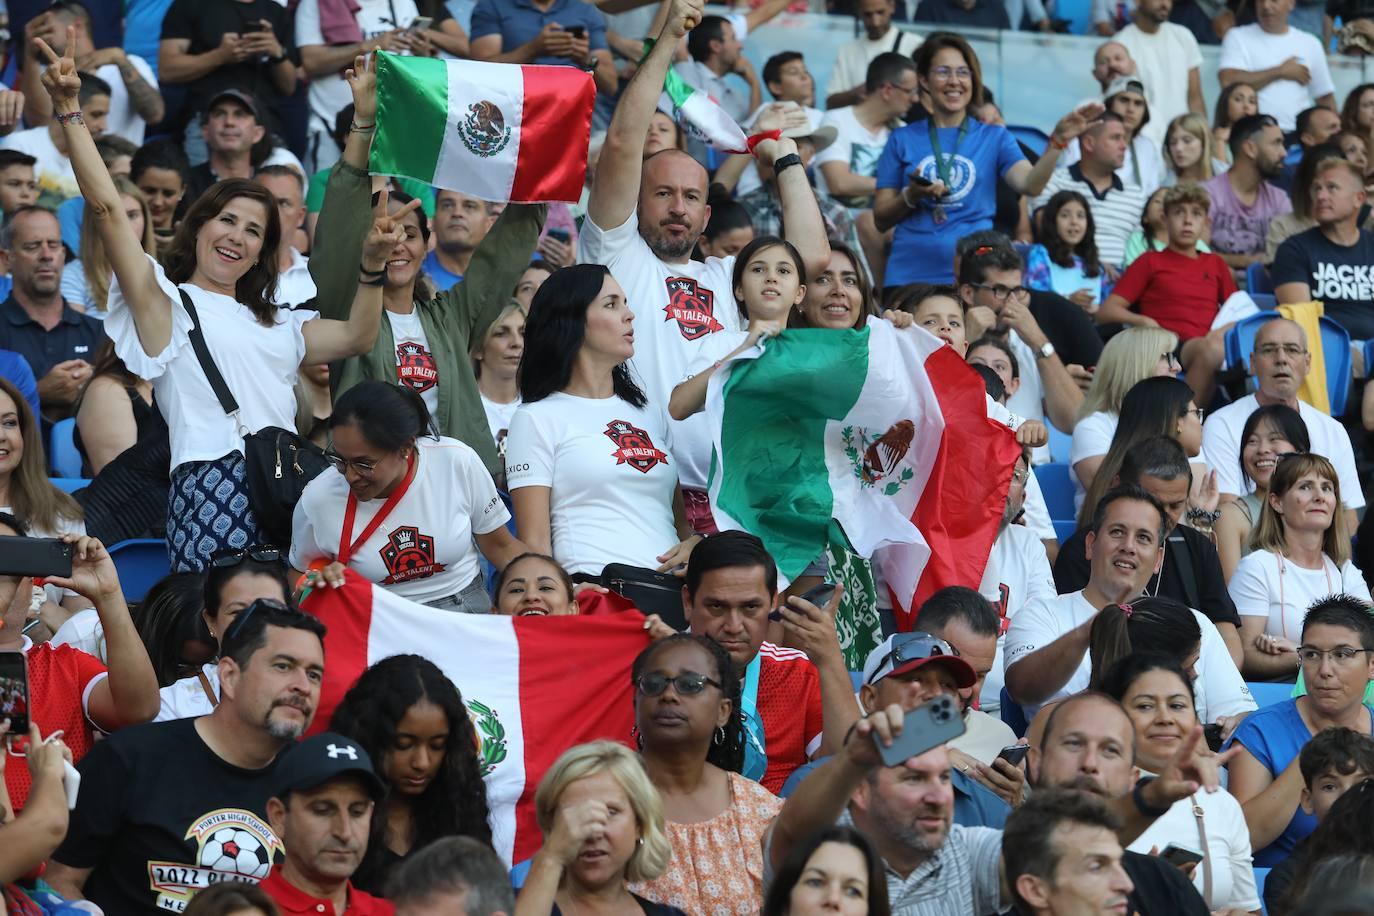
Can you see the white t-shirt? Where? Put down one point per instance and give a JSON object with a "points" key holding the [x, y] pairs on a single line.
{"points": [[851, 64], [1092, 437], [186, 698], [678, 307], [1163, 60], [1250, 48], [1228, 847], [330, 94], [1029, 400], [259, 364], [855, 145], [52, 170], [498, 419], [124, 120], [415, 366], [1221, 446], [1266, 585], [423, 550], [1018, 572], [83, 630], [295, 286], [611, 478]]}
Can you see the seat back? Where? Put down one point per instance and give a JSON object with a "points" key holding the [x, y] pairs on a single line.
{"points": [[1240, 341], [62, 453], [141, 563], [1257, 280]]}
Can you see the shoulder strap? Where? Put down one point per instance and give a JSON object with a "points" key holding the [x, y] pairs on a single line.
{"points": [[1183, 559], [207, 362], [1201, 819]]}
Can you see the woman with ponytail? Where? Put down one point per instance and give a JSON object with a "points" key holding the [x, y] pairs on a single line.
{"points": [[405, 506]]}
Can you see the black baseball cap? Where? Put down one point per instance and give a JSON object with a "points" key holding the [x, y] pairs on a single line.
{"points": [[243, 98], [319, 758]]}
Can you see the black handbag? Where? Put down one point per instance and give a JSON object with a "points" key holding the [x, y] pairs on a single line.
{"points": [[652, 592], [279, 462]]}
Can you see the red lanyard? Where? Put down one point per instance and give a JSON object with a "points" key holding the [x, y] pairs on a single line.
{"points": [[347, 546]]}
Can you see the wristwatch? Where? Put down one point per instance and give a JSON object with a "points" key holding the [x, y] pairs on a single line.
{"points": [[1046, 350], [591, 63]]}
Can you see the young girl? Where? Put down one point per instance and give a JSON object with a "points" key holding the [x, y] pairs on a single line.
{"points": [[1235, 102], [1152, 235], [1065, 258], [1188, 150]]}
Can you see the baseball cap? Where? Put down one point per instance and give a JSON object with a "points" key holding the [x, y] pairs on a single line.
{"points": [[237, 95], [320, 758], [1121, 84], [820, 135], [903, 652]]}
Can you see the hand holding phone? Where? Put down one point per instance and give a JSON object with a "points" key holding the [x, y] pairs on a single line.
{"points": [[14, 692], [923, 728], [21, 556], [1180, 856], [1014, 754]]}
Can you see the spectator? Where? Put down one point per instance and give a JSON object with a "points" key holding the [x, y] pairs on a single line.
{"points": [[453, 875], [295, 287], [842, 284], [1235, 101], [1299, 219], [533, 585], [1337, 635], [1116, 204], [1301, 553], [1112, 59], [1168, 61], [18, 186], [922, 193], [1243, 199], [787, 80], [597, 799], [1286, 66], [162, 173], [272, 665], [558, 32], [231, 126], [461, 222], [15, 370], [1188, 151], [1062, 856], [1064, 259], [431, 511], [849, 166], [1157, 695], [114, 413], [1270, 433], [322, 810], [528, 284], [1357, 114], [134, 98], [1330, 262], [48, 143], [31, 837], [496, 362], [1152, 235], [697, 735], [225, 45], [835, 864], [716, 51], [727, 230], [1280, 361], [849, 77], [1148, 626], [963, 14], [235, 579], [1316, 126], [232, 898], [764, 204], [1141, 167], [85, 284], [70, 690]]}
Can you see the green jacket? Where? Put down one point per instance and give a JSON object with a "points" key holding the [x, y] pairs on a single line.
{"points": [[452, 320]]}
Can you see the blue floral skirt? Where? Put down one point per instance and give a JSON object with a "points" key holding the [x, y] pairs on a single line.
{"points": [[208, 510]]}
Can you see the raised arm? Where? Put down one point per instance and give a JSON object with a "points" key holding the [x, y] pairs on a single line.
{"points": [[616, 189], [1038, 676], [801, 215], [496, 267], [1030, 180], [149, 305]]}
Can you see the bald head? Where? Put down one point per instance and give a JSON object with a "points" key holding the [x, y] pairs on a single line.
{"points": [[1110, 61], [1280, 361], [672, 204]]}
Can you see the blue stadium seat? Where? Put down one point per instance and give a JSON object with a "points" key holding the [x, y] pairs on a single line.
{"points": [[1266, 301], [1257, 280], [69, 484], [1061, 444], [1261, 875], [1057, 486], [1033, 137], [1240, 340], [1063, 528], [1269, 694], [62, 454], [141, 563]]}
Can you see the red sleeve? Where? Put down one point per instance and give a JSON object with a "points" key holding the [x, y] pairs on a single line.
{"points": [[815, 718], [1228, 280], [1136, 278]]}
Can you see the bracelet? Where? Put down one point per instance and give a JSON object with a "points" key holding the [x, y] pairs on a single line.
{"points": [[905, 200], [1054, 142], [381, 272], [355, 127], [1138, 797], [1202, 516], [374, 281], [72, 118], [786, 162]]}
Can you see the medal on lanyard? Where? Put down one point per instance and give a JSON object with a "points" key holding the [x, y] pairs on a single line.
{"points": [[942, 165]]}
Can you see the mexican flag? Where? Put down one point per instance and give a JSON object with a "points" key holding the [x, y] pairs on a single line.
{"points": [[884, 432], [501, 132], [699, 114], [533, 686]]}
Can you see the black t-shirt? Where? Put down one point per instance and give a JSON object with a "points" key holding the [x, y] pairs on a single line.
{"points": [[1160, 888], [160, 816], [1206, 592], [1340, 277], [1068, 327], [986, 14]]}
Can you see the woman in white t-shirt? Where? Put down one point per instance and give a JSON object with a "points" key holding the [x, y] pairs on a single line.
{"points": [[1300, 555], [588, 458], [222, 259], [1271, 431], [495, 362], [405, 507]]}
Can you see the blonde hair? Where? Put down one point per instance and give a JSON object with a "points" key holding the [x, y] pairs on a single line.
{"points": [[1129, 357], [653, 853], [95, 263], [1270, 533], [1196, 125], [479, 343]]}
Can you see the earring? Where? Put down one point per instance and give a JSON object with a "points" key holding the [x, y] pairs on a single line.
{"points": [[639, 739], [720, 735]]}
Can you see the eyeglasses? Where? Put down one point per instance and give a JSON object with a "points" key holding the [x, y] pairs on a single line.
{"points": [[342, 464], [1020, 475], [1340, 656], [909, 647], [1199, 412], [1270, 350], [687, 685], [1171, 359], [1002, 293], [944, 73], [905, 90], [233, 556], [236, 626]]}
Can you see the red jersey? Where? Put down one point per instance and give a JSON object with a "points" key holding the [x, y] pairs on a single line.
{"points": [[292, 900], [60, 684], [789, 703], [1183, 294]]}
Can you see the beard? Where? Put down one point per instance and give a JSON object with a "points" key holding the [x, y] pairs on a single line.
{"points": [[906, 831], [283, 730], [669, 249], [1085, 783]]}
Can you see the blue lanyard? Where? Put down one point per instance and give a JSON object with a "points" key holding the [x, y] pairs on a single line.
{"points": [[755, 753]]}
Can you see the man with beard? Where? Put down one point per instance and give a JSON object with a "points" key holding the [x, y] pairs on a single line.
{"points": [[643, 220], [170, 808], [323, 813], [1244, 198]]}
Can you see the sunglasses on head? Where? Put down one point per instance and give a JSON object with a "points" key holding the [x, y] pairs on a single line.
{"points": [[910, 647], [236, 626], [233, 556]]}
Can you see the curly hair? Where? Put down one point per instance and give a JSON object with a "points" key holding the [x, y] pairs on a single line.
{"points": [[1059, 250], [729, 753], [455, 803]]}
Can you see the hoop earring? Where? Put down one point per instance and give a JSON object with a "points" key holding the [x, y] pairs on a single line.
{"points": [[720, 735], [638, 738]]}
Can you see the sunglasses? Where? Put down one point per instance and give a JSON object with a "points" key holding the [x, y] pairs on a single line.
{"points": [[909, 647], [687, 685], [233, 556], [236, 627]]}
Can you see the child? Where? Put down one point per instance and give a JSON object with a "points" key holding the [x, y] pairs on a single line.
{"points": [[936, 307], [1065, 259], [1151, 236], [18, 186], [1179, 289]]}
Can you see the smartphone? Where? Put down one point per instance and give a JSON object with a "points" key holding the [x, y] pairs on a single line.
{"points": [[1212, 733], [561, 235], [924, 727], [819, 596], [420, 23], [35, 557], [1180, 856], [1014, 753], [257, 26], [921, 180], [577, 31], [14, 692]]}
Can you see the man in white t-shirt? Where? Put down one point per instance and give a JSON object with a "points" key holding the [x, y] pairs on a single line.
{"points": [[643, 220], [1279, 361], [46, 143], [295, 286], [1168, 60], [848, 168], [848, 78], [1286, 66]]}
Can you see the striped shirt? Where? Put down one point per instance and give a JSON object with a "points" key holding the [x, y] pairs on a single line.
{"points": [[1116, 211]]}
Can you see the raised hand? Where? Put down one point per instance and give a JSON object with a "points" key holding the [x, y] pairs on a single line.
{"points": [[573, 826], [683, 16], [233, 48], [1077, 121], [780, 116], [93, 571], [362, 79], [60, 80], [388, 230]]}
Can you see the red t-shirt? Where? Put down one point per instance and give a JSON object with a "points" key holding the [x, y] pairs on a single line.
{"points": [[60, 683], [292, 900], [789, 703], [1183, 294]]}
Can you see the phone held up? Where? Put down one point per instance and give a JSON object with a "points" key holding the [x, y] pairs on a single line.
{"points": [[925, 727], [819, 595], [14, 692]]}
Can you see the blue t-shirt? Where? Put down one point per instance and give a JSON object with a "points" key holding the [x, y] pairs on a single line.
{"points": [[444, 279], [922, 250], [15, 369], [1275, 735]]}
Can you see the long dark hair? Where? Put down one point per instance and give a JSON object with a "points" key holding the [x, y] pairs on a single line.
{"points": [[1283, 419], [256, 288], [455, 803], [778, 901], [389, 416], [1060, 251], [729, 753], [1117, 680], [555, 329], [754, 247], [1148, 626], [33, 499], [169, 616]]}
